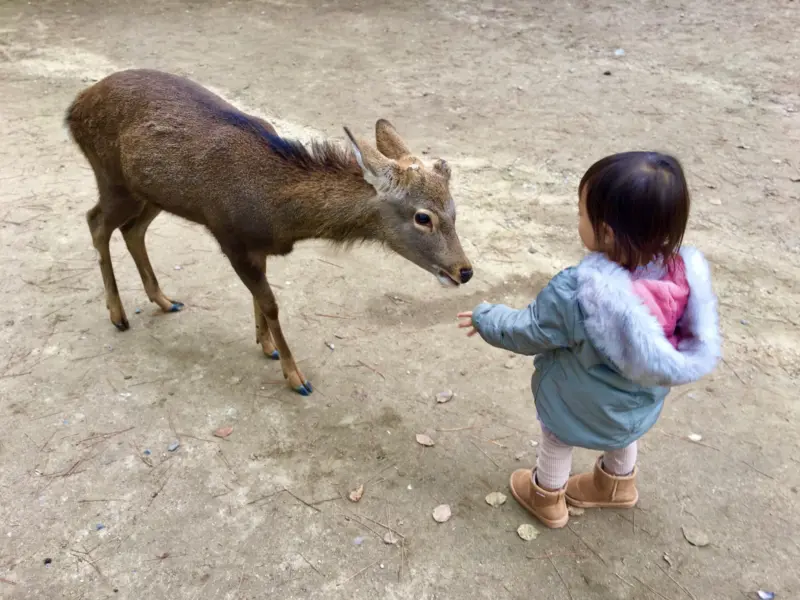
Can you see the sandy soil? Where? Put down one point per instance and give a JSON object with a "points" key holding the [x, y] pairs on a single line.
{"points": [[514, 95]]}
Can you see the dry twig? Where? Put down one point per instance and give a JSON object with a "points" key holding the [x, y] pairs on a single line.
{"points": [[564, 583], [676, 582], [484, 453], [354, 575], [650, 588]]}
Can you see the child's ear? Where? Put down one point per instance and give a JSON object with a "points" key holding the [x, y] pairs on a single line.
{"points": [[608, 236]]}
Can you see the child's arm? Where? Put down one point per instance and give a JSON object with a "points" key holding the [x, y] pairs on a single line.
{"points": [[547, 323]]}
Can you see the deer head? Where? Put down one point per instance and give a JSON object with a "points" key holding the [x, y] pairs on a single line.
{"points": [[418, 215]]}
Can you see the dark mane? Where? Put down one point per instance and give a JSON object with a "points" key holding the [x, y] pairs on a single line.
{"points": [[323, 155]]}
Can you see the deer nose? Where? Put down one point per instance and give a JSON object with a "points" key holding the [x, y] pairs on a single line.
{"points": [[466, 274]]}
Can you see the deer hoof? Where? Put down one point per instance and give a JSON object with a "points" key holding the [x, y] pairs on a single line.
{"points": [[122, 325], [275, 355], [176, 307], [305, 389]]}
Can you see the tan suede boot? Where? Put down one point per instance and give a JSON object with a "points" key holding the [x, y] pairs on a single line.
{"points": [[599, 489], [549, 507]]}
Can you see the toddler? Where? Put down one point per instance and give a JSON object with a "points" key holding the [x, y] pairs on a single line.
{"points": [[611, 335]]}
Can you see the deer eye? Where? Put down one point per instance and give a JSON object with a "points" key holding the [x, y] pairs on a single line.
{"points": [[422, 218]]}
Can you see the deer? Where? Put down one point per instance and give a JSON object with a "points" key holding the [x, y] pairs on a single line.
{"points": [[162, 142]]}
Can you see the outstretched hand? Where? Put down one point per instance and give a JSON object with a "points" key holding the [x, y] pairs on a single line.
{"points": [[467, 323]]}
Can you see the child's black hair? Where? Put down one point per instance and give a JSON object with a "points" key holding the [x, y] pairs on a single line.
{"points": [[644, 199]]}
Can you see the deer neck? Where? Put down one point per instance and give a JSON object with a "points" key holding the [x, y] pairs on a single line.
{"points": [[340, 207]]}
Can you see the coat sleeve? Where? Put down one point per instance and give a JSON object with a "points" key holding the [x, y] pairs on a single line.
{"points": [[546, 324]]}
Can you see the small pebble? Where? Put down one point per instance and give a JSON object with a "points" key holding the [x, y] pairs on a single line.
{"points": [[358, 541], [606, 73], [390, 538], [765, 595], [147, 452], [100, 526], [442, 513], [173, 446], [178, 267], [744, 322], [619, 52], [223, 432], [575, 511], [48, 562], [445, 396], [138, 311], [695, 437], [533, 443]]}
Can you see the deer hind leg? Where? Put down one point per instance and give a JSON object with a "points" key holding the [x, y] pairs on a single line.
{"points": [[134, 232], [263, 335], [114, 208], [252, 273]]}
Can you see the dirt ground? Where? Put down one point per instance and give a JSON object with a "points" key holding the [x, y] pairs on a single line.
{"points": [[520, 97]]}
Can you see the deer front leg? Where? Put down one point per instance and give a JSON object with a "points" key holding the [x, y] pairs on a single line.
{"points": [[251, 272]]}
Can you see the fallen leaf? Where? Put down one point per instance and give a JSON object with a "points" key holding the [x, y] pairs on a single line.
{"points": [[390, 538], [575, 511], [695, 437], [445, 396], [223, 432], [495, 499], [355, 495], [442, 513], [424, 440], [527, 532], [695, 537]]}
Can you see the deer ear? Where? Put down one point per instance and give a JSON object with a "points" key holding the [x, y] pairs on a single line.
{"points": [[378, 170], [388, 140], [442, 168]]}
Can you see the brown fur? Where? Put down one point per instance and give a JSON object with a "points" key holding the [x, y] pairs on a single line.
{"points": [[160, 142]]}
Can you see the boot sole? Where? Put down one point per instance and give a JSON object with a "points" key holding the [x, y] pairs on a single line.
{"points": [[582, 504], [546, 522]]}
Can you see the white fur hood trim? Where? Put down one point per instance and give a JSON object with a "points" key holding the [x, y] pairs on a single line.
{"points": [[619, 325]]}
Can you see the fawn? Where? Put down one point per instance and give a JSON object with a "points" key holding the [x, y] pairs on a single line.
{"points": [[158, 141]]}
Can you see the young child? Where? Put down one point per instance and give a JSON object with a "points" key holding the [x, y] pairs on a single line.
{"points": [[611, 335]]}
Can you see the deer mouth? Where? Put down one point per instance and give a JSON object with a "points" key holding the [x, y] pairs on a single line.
{"points": [[445, 278]]}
